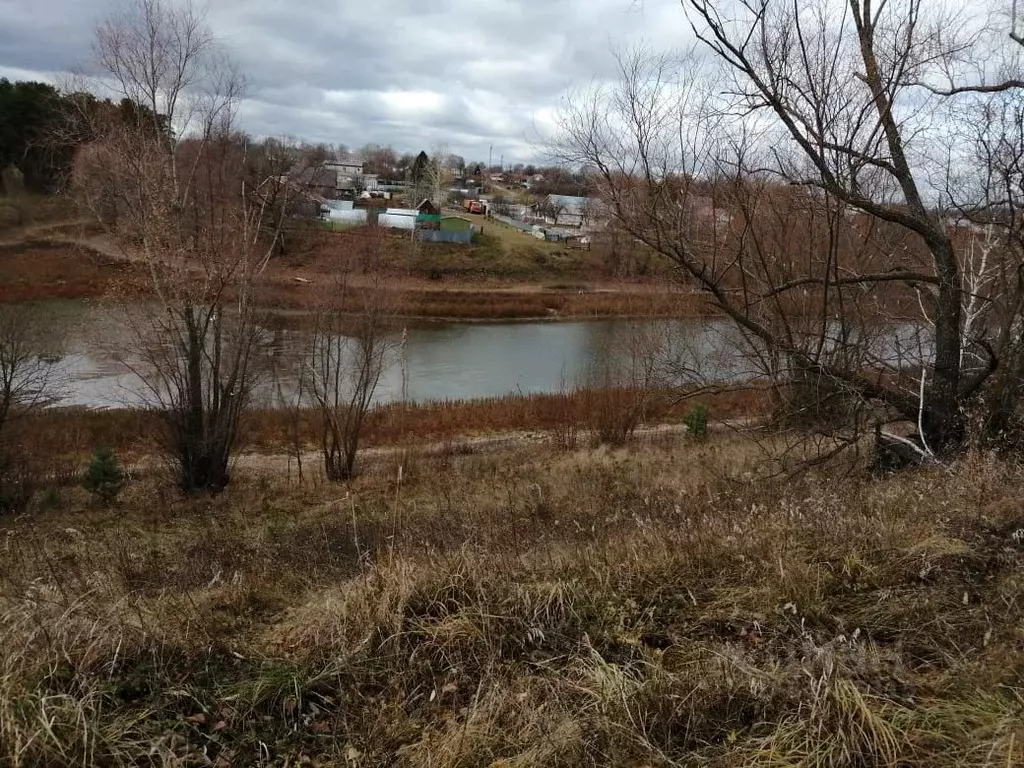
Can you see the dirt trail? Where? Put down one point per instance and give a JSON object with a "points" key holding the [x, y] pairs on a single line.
{"points": [[280, 463], [273, 463], [61, 233]]}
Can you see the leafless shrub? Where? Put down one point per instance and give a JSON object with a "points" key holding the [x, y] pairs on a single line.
{"points": [[567, 421], [171, 187], [622, 380], [27, 382], [813, 401], [350, 353]]}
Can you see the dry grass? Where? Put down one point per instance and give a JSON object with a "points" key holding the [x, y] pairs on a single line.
{"points": [[468, 303], [19, 214], [550, 303], [507, 275], [498, 253], [62, 435], [643, 607], [457, 300], [40, 270]]}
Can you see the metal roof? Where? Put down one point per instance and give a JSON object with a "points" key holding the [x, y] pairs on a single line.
{"points": [[568, 201]]}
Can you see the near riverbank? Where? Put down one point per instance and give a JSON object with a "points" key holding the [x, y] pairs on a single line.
{"points": [[68, 435]]}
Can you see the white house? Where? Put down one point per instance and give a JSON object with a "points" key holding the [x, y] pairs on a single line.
{"points": [[342, 212], [566, 210], [398, 218], [345, 167]]}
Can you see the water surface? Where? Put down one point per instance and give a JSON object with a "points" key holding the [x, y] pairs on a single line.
{"points": [[436, 361]]}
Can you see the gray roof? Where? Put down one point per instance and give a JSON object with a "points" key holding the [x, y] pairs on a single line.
{"points": [[317, 177], [568, 201]]}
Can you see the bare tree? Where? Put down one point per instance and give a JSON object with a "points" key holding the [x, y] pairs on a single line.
{"points": [[986, 194], [352, 347], [26, 378], [27, 382], [821, 156], [548, 210], [185, 209], [382, 161], [430, 177], [439, 175], [278, 172], [628, 367]]}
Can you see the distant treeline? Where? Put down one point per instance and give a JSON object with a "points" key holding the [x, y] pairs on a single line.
{"points": [[41, 128]]}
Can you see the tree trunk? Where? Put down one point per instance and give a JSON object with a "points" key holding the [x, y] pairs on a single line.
{"points": [[942, 419]]}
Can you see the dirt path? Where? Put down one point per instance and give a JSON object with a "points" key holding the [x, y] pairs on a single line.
{"points": [[63, 233], [282, 463], [36, 231], [256, 463]]}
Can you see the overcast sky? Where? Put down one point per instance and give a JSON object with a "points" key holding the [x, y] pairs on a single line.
{"points": [[470, 73]]}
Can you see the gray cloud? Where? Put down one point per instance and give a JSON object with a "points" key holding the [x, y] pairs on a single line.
{"points": [[468, 73]]}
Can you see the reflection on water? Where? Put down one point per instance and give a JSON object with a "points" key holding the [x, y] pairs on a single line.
{"points": [[439, 361]]}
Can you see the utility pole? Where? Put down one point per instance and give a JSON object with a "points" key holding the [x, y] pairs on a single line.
{"points": [[490, 159]]}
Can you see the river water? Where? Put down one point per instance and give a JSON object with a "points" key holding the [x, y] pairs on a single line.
{"points": [[91, 356]]}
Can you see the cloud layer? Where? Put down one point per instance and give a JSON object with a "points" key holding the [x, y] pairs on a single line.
{"points": [[467, 73]]}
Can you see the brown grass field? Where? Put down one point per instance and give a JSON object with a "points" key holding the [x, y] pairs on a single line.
{"points": [[493, 280], [51, 270], [66, 437], [657, 605], [54, 270]]}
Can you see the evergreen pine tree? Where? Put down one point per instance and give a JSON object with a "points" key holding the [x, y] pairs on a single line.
{"points": [[104, 479]]}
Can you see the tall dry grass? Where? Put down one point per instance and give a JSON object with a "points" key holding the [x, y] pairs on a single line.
{"points": [[459, 300], [654, 606], [69, 435]]}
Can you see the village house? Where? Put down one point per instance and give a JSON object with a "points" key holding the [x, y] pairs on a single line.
{"points": [[566, 211], [337, 180], [319, 182], [345, 167]]}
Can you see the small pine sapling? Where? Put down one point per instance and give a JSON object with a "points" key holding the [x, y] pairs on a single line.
{"points": [[104, 478], [696, 421]]}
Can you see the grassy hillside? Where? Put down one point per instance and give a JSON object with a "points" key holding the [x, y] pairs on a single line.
{"points": [[645, 607], [26, 211], [498, 253], [48, 250]]}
